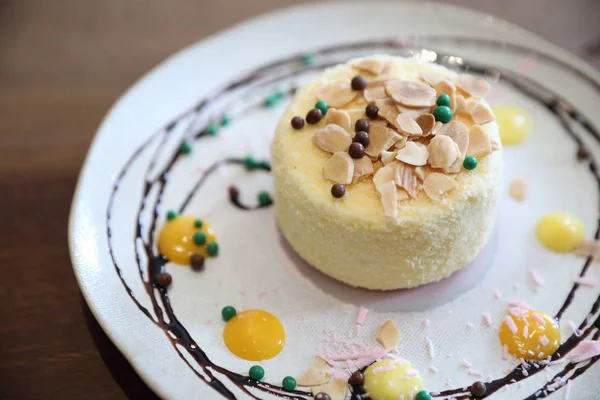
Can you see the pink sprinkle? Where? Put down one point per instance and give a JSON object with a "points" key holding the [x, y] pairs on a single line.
{"points": [[537, 277], [487, 317], [362, 315], [465, 363], [544, 341], [219, 283], [208, 322], [585, 350], [525, 331], [538, 318], [356, 330], [240, 291], [573, 328], [262, 294], [341, 374], [383, 368], [519, 304], [586, 281], [568, 390], [426, 322], [433, 369], [497, 293], [412, 373], [510, 323], [472, 372]]}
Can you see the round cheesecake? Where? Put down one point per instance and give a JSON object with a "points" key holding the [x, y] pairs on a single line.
{"points": [[397, 184]]}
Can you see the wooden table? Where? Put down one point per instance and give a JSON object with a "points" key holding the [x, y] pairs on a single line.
{"points": [[62, 64]]}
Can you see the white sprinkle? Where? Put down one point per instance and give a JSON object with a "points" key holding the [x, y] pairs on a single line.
{"points": [[538, 318], [487, 317], [525, 331], [430, 348], [465, 363], [412, 372], [504, 352], [573, 328], [524, 372], [586, 281], [510, 323], [544, 340], [497, 293], [567, 390], [449, 382], [537, 277], [472, 372], [426, 322], [433, 369]]}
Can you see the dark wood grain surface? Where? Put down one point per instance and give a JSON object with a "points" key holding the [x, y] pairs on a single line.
{"points": [[62, 64]]}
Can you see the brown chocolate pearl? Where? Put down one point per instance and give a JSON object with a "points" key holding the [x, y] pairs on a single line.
{"points": [[363, 138], [338, 190], [357, 150], [372, 111], [297, 122], [361, 125], [582, 154], [359, 82], [478, 389], [356, 379], [314, 116], [322, 396], [197, 262], [233, 192], [164, 279]]}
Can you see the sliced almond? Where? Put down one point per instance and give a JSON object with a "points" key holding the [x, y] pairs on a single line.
{"points": [[422, 172], [495, 145], [401, 143], [588, 248], [317, 374], [480, 144], [339, 117], [413, 153], [339, 168], [426, 122], [407, 179], [472, 86], [388, 335], [433, 78], [456, 167], [387, 156], [408, 125], [362, 167], [518, 189], [373, 93], [372, 65], [411, 93], [385, 174], [377, 165], [443, 151], [413, 112], [337, 389], [470, 104], [332, 138], [447, 87], [402, 195], [436, 128], [457, 132], [436, 184], [337, 94], [389, 198], [355, 114], [482, 114], [461, 103], [392, 115], [387, 66], [378, 122], [380, 138], [384, 105]]}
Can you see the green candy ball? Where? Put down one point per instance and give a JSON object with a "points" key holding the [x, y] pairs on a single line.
{"points": [[308, 58], [288, 383], [228, 312], [264, 199], [225, 119], [443, 114], [185, 148], [172, 214], [443, 100], [199, 238], [212, 129], [256, 373], [249, 163], [470, 163], [323, 106], [423, 395], [212, 249], [198, 223]]}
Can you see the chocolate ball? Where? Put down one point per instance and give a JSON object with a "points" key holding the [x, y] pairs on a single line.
{"points": [[197, 262], [356, 379], [582, 154], [478, 389], [359, 82], [164, 279], [357, 150], [372, 111], [314, 116], [338, 190], [322, 396], [361, 125], [297, 122], [362, 137]]}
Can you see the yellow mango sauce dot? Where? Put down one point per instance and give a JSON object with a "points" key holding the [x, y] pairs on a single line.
{"points": [[537, 335], [254, 335], [560, 231], [391, 379], [176, 242], [514, 123]]}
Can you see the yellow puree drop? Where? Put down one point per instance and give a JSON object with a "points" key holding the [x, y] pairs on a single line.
{"points": [[513, 122], [392, 379], [176, 242], [254, 335], [537, 335], [560, 231]]}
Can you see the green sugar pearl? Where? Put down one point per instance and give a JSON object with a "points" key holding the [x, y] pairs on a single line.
{"points": [[198, 223], [226, 119], [470, 163], [323, 106], [185, 148], [212, 249], [443, 100], [228, 312], [212, 129], [199, 238], [256, 373], [443, 114], [264, 199], [308, 58], [288, 383], [172, 214], [423, 395], [249, 163]]}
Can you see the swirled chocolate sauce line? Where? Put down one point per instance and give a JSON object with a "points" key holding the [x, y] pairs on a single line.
{"points": [[174, 329]]}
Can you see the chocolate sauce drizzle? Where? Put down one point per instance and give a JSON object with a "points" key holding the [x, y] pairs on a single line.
{"points": [[163, 315]]}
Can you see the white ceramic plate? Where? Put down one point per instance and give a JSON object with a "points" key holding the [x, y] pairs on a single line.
{"points": [[255, 268]]}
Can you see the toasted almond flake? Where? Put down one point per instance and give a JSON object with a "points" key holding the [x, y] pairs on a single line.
{"points": [[402, 195], [482, 114], [443, 151], [362, 167], [433, 78], [436, 128], [373, 65], [373, 93], [436, 184], [413, 153], [411, 93], [447, 87], [457, 132], [426, 122], [407, 125], [388, 334], [339, 168], [388, 156], [495, 145], [461, 103], [332, 138], [377, 165], [400, 143], [472, 86], [385, 174], [384, 105], [380, 138], [380, 122], [336, 389], [479, 142], [407, 179], [588, 248], [337, 94], [317, 374], [413, 112], [518, 189], [392, 115], [422, 172], [355, 114], [389, 198], [340, 118]]}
